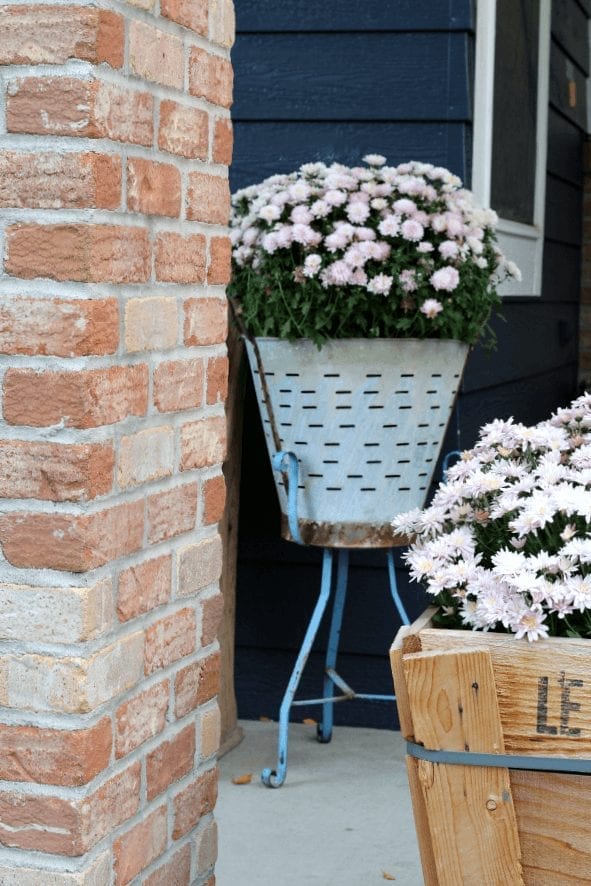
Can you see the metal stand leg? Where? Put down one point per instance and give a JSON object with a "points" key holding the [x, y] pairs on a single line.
{"points": [[394, 589], [274, 778], [324, 728]]}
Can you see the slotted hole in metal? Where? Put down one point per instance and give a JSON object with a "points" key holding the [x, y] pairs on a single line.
{"points": [[332, 375], [403, 461], [390, 426], [343, 392], [308, 391], [315, 475], [332, 444], [346, 426], [301, 442], [374, 461], [392, 476], [405, 407], [373, 374], [285, 424], [309, 407], [402, 392], [404, 489], [330, 461], [367, 489], [292, 374], [370, 392], [407, 375], [354, 476], [376, 407], [371, 444], [315, 426], [343, 407], [269, 373], [334, 488]]}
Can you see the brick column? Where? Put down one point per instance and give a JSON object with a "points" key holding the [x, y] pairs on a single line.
{"points": [[116, 138]]}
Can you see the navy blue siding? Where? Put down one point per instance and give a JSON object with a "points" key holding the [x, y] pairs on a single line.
{"points": [[300, 98]]}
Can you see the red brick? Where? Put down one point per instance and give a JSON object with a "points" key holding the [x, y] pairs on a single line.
{"points": [[183, 130], [54, 756], [144, 587], [153, 188], [214, 499], [211, 616], [203, 443], [197, 683], [190, 13], [145, 456], [176, 872], [206, 321], [170, 639], [206, 845], [36, 34], [71, 542], [156, 55], [195, 801], [208, 198], [210, 77], [217, 380], [223, 141], [59, 327], [113, 803], [55, 471], [139, 846], [220, 261], [80, 108], [84, 399], [171, 512], [170, 761], [200, 565], [141, 718], [59, 181], [178, 385], [86, 253], [180, 259]]}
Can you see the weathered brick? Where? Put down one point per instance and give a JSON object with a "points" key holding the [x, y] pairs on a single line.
{"points": [[139, 846], [222, 23], [84, 399], [217, 380], [171, 512], [178, 385], [96, 872], [153, 188], [203, 443], [219, 270], [206, 321], [33, 35], [155, 55], [209, 729], [190, 13], [71, 542], [212, 608], [54, 756], [176, 872], [58, 327], [206, 845], [80, 108], [200, 565], [214, 499], [55, 471], [145, 456], [183, 130], [223, 141], [195, 801], [43, 824], [180, 259], [55, 615], [197, 683], [170, 639], [71, 685], [151, 324], [47, 180], [141, 718], [144, 587], [210, 77], [170, 761], [208, 198], [79, 252]]}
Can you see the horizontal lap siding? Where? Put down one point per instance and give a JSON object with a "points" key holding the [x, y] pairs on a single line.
{"points": [[394, 78]]}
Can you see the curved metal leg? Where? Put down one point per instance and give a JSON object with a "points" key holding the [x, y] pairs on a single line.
{"points": [[274, 778], [324, 728], [394, 589]]}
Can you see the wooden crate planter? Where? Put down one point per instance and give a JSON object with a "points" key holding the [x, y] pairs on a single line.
{"points": [[489, 693]]}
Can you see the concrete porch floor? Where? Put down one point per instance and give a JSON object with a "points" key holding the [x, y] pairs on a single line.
{"points": [[342, 818]]}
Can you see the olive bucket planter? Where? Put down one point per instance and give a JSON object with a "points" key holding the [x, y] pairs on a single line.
{"points": [[499, 754], [365, 419]]}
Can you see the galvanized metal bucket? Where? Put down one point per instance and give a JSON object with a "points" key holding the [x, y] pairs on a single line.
{"points": [[366, 419]]}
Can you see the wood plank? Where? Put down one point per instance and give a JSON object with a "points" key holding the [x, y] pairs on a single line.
{"points": [[342, 15], [565, 148], [263, 148], [419, 772], [543, 689], [569, 28], [469, 808], [334, 77], [554, 820], [563, 72]]}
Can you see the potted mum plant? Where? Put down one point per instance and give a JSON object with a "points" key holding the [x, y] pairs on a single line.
{"points": [[500, 666], [360, 291]]}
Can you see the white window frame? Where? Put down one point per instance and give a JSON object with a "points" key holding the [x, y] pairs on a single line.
{"points": [[522, 243]]}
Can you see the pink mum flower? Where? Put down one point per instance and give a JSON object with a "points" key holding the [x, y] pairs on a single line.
{"points": [[431, 307], [448, 249], [412, 230], [357, 212], [445, 278], [389, 226], [381, 284], [408, 281]]}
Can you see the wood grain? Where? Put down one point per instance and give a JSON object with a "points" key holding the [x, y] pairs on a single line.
{"points": [[469, 809]]}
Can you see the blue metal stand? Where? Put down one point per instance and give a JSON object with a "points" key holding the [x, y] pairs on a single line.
{"points": [[274, 778]]}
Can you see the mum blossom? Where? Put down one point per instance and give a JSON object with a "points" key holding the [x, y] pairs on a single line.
{"points": [[408, 280], [412, 230], [357, 212], [445, 279], [381, 284], [312, 265], [431, 307], [374, 159]]}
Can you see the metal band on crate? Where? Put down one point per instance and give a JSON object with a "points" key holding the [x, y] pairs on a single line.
{"points": [[500, 761]]}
